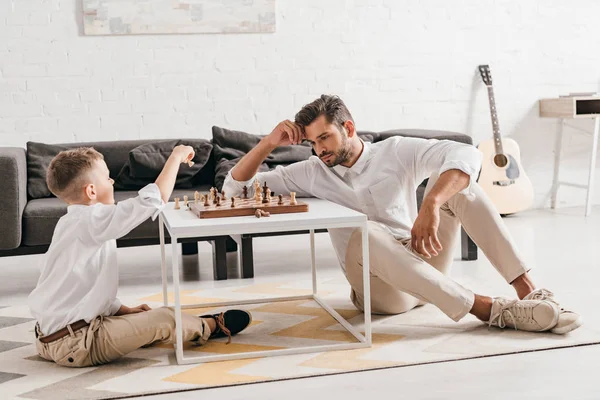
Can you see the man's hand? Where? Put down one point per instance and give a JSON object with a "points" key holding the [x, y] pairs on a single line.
{"points": [[424, 232], [285, 133], [132, 310], [183, 153]]}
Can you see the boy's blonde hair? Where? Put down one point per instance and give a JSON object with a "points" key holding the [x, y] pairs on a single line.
{"points": [[66, 170]]}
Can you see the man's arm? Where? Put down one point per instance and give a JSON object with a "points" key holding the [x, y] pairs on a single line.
{"points": [[424, 237], [296, 177], [457, 165], [284, 134]]}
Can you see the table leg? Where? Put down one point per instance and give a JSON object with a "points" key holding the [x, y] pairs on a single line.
{"points": [[178, 323], [313, 261], [163, 259], [557, 155], [247, 257], [220, 258], [366, 282], [588, 203]]}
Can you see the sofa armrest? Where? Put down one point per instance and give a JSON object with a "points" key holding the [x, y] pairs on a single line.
{"points": [[13, 197]]}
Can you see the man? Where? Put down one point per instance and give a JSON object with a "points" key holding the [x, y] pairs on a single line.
{"points": [[410, 252]]}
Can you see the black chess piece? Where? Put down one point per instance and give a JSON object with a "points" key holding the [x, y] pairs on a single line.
{"points": [[265, 193], [245, 189], [218, 202]]}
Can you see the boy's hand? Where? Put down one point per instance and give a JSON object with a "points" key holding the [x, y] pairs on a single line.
{"points": [[183, 153]]}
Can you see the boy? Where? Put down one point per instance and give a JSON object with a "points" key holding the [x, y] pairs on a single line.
{"points": [[80, 322]]}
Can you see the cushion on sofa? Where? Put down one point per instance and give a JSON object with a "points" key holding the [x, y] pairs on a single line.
{"points": [[146, 161], [230, 146], [116, 154], [224, 166], [39, 156], [41, 216]]}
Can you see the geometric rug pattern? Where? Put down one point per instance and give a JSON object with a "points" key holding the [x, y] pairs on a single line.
{"points": [[423, 335]]}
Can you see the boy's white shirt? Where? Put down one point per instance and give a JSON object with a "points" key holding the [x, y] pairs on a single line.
{"points": [[79, 272]]}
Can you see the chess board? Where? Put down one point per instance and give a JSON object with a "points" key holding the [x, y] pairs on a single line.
{"points": [[245, 207]]}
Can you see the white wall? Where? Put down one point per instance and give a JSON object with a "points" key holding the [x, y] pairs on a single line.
{"points": [[396, 64]]}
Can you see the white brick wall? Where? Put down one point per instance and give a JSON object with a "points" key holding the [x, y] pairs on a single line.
{"points": [[395, 63]]}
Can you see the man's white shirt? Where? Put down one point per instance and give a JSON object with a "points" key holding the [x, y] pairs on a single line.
{"points": [[381, 184], [79, 273]]}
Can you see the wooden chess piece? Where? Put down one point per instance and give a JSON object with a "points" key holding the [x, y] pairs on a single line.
{"points": [[280, 202], [185, 201], [177, 207], [258, 197], [293, 198], [206, 202], [223, 194], [196, 197], [266, 192], [245, 190], [258, 214], [218, 201], [256, 187], [233, 202]]}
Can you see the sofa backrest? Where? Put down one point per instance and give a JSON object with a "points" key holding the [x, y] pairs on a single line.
{"points": [[116, 155]]}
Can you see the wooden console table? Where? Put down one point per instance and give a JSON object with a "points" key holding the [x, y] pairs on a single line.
{"points": [[573, 108]]}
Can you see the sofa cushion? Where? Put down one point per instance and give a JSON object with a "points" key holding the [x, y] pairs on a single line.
{"points": [[41, 216], [230, 146], [224, 166], [426, 134], [147, 161], [39, 156], [116, 154]]}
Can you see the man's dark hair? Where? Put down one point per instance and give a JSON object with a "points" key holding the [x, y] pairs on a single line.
{"points": [[332, 107]]}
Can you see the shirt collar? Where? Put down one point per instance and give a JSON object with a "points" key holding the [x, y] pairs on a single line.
{"points": [[359, 165]]}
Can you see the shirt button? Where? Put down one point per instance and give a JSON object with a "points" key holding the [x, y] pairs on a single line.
{"points": [[70, 359]]}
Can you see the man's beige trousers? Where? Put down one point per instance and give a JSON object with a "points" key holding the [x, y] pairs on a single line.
{"points": [[401, 279]]}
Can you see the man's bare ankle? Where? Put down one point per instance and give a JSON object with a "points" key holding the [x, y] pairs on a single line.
{"points": [[523, 285], [482, 307]]}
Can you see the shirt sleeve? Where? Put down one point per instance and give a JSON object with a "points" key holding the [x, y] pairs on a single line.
{"points": [[114, 307], [106, 222], [297, 177], [438, 156]]}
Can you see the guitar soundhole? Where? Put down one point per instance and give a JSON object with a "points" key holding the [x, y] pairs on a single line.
{"points": [[500, 160]]}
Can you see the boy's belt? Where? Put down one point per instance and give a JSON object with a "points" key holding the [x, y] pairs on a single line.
{"points": [[61, 333]]}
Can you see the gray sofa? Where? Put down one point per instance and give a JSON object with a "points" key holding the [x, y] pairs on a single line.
{"points": [[28, 214]]}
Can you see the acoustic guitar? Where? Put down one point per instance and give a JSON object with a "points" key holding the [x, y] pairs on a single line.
{"points": [[502, 176]]}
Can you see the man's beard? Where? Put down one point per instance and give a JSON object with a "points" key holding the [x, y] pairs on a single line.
{"points": [[342, 155]]}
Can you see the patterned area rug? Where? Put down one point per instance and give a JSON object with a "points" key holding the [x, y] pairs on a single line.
{"points": [[423, 335]]}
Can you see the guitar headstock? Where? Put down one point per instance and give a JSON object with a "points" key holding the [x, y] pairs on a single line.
{"points": [[486, 74]]}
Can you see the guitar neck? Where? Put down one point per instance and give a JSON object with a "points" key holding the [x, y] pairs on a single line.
{"points": [[495, 125]]}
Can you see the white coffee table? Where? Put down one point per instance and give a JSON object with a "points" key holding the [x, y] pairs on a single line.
{"points": [[322, 214]]}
